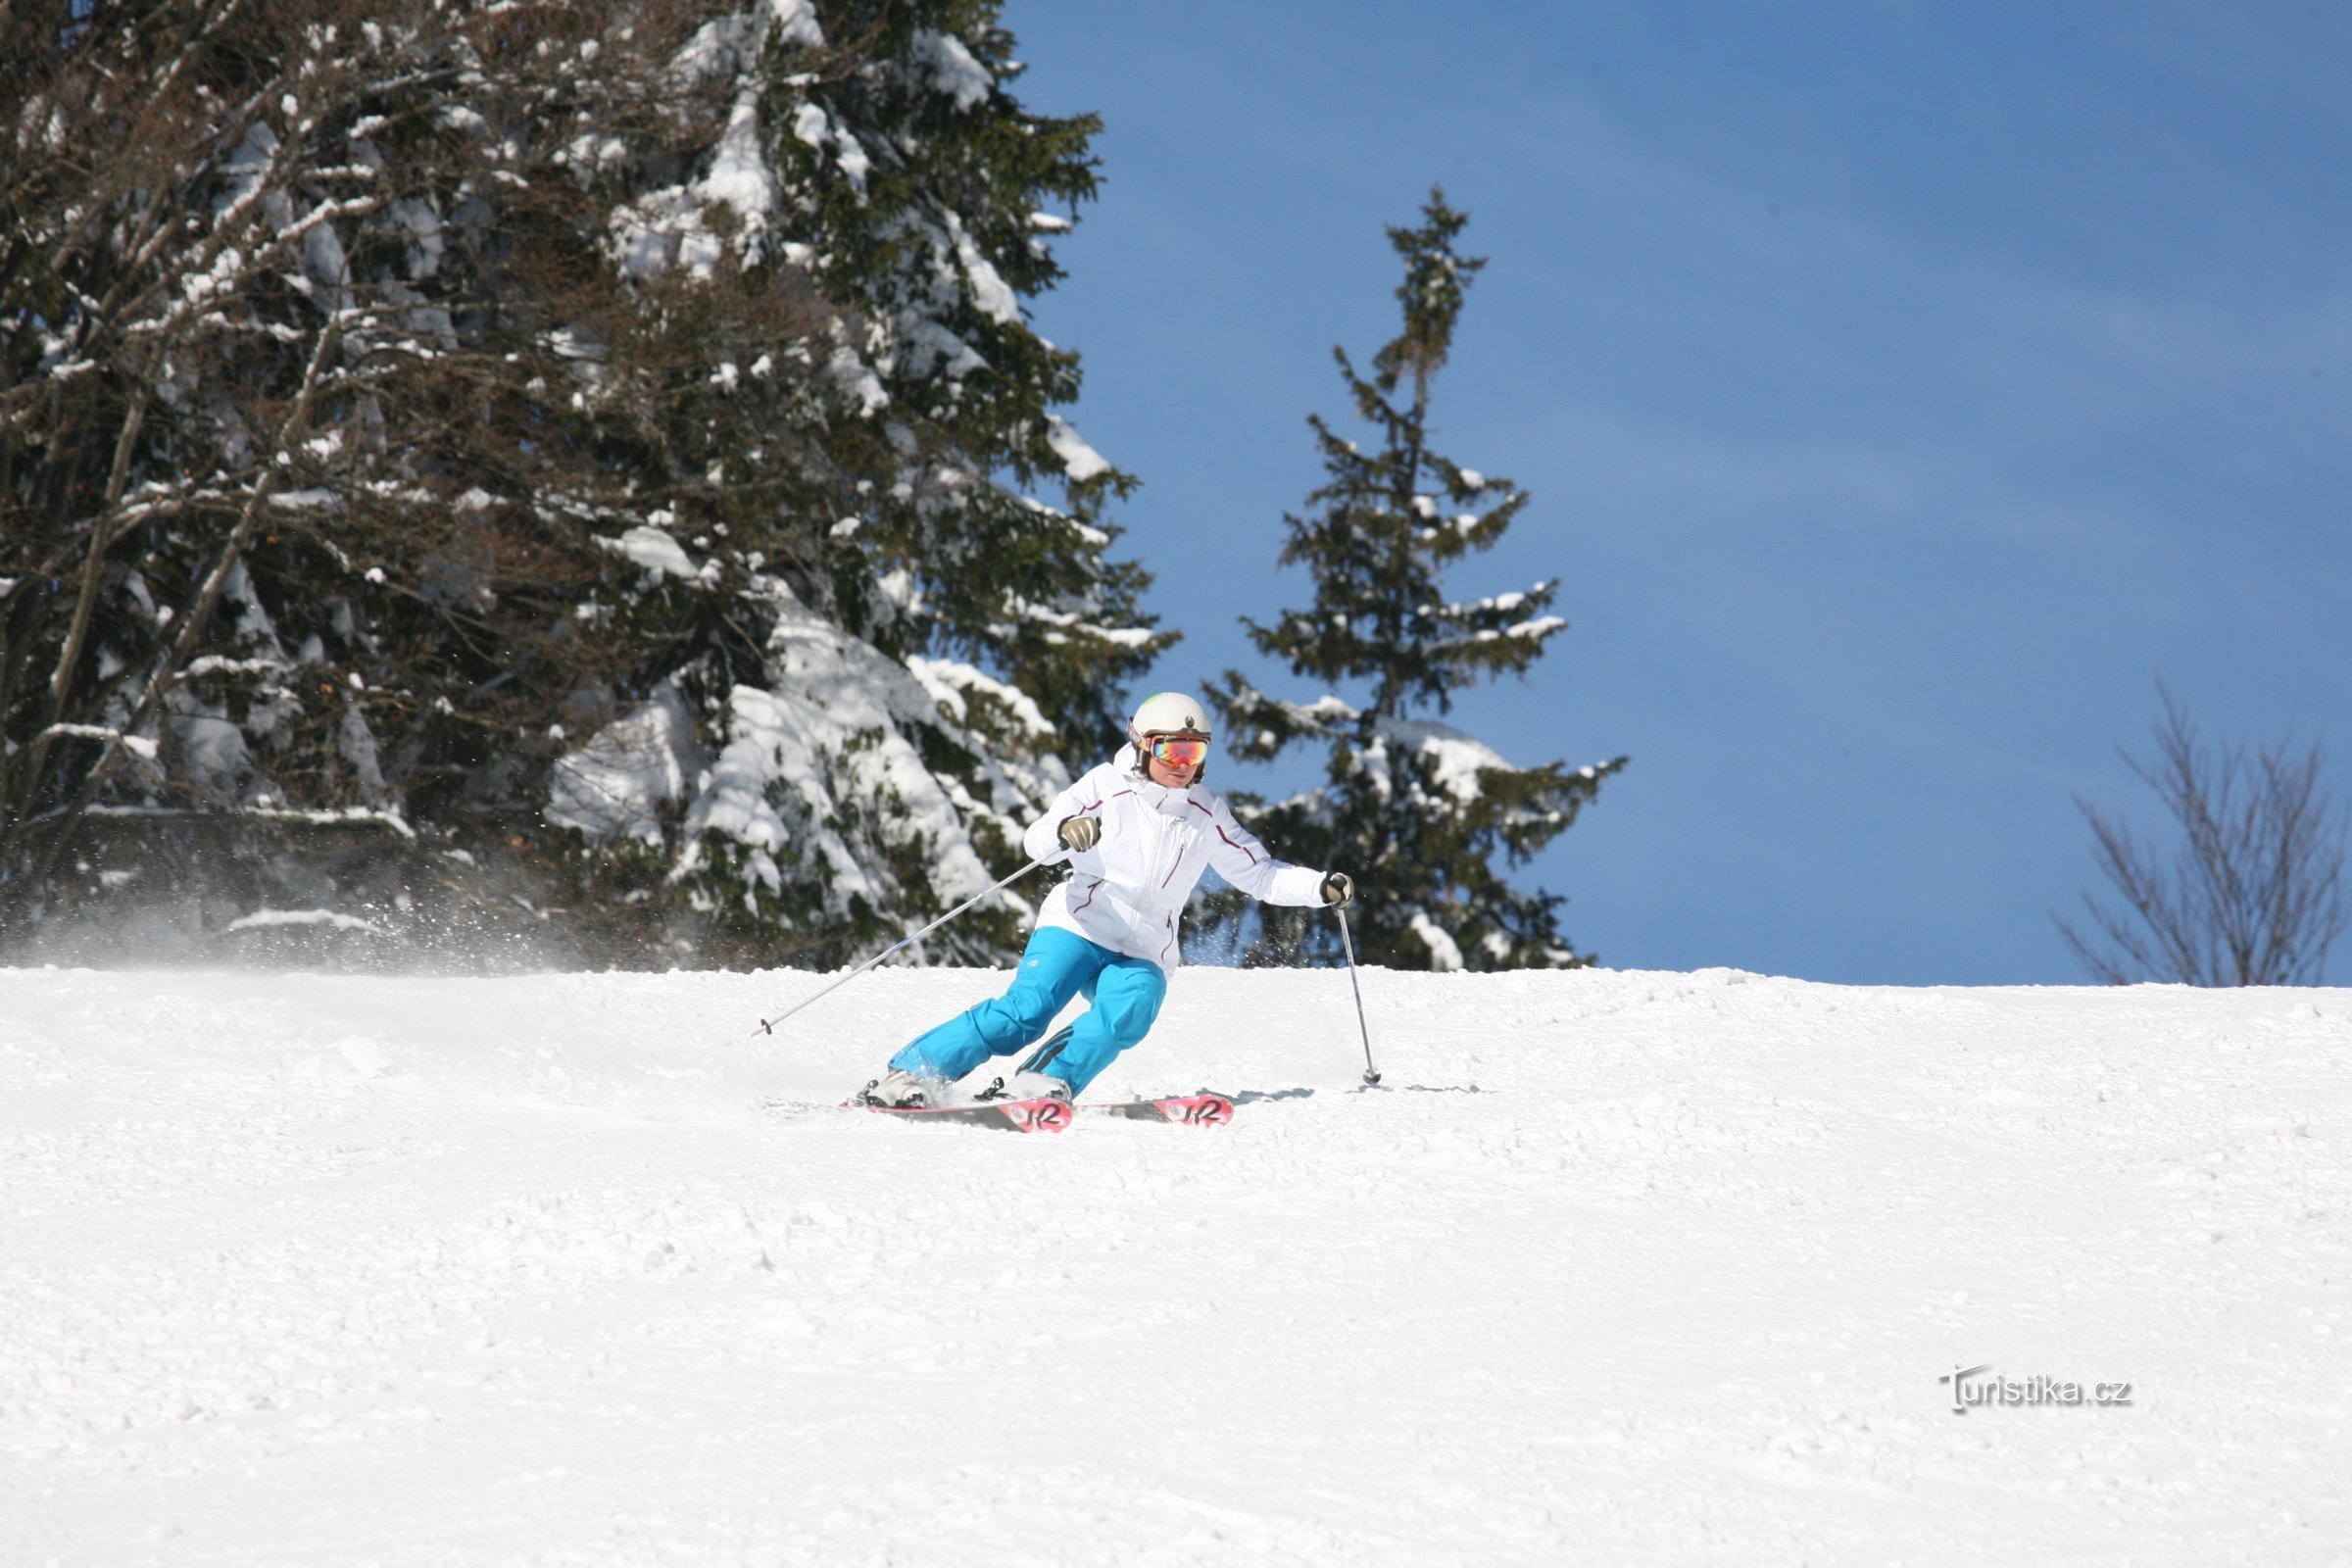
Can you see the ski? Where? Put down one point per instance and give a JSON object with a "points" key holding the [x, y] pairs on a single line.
{"points": [[1035, 1116], [1006, 1115], [1194, 1110]]}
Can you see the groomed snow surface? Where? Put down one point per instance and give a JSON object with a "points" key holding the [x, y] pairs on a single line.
{"points": [[1616, 1267]]}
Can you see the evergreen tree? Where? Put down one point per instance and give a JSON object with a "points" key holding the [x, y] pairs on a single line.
{"points": [[292, 534], [926, 630], [596, 438], [1421, 809]]}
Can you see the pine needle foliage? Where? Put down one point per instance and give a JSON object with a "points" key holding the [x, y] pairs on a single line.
{"points": [[594, 451], [1419, 810]]}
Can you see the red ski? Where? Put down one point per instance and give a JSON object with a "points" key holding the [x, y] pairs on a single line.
{"points": [[1006, 1115], [1194, 1110]]}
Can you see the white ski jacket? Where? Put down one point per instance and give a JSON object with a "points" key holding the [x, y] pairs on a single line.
{"points": [[1125, 894]]}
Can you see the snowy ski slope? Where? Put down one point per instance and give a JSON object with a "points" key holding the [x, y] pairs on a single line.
{"points": [[1616, 1267]]}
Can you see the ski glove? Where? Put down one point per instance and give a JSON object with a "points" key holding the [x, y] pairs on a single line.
{"points": [[1079, 833], [1339, 889]]}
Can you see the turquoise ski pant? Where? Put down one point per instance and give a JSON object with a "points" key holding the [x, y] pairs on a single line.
{"points": [[1055, 965]]}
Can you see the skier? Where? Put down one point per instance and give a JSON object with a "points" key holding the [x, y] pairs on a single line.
{"points": [[1136, 831]]}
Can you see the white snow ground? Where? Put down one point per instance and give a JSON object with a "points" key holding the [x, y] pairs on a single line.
{"points": [[1634, 1267]]}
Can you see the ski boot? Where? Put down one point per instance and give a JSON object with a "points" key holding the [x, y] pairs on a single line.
{"points": [[1027, 1084], [900, 1089]]}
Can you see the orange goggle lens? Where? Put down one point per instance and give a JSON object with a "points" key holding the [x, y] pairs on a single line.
{"points": [[1179, 752]]}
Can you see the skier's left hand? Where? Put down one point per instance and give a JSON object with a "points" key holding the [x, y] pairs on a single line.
{"points": [[1339, 889]]}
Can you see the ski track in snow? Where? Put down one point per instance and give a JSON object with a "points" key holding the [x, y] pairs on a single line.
{"points": [[1616, 1266]]}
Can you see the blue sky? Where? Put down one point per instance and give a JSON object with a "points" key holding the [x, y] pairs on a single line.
{"points": [[1903, 388]]}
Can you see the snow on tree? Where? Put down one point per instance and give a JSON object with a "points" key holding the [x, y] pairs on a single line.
{"points": [[437, 416], [245, 576], [1419, 809], [901, 632]]}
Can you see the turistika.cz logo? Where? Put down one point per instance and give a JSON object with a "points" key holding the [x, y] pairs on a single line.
{"points": [[1971, 1389]]}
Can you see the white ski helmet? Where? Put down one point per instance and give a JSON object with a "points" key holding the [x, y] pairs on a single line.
{"points": [[1168, 713]]}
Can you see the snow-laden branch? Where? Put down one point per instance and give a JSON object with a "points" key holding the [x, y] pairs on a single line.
{"points": [[138, 745]]}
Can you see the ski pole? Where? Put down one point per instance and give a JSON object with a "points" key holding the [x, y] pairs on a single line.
{"points": [[767, 1026], [1371, 1073]]}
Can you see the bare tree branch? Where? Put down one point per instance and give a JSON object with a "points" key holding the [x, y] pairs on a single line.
{"points": [[2253, 893]]}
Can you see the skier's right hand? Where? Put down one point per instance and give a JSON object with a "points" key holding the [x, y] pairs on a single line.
{"points": [[1079, 833]]}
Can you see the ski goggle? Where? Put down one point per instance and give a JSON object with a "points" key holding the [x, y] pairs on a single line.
{"points": [[1178, 751]]}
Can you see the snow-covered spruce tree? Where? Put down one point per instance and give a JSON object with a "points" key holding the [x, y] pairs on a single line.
{"points": [[1421, 810], [892, 634], [358, 428], [273, 558], [306, 486]]}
